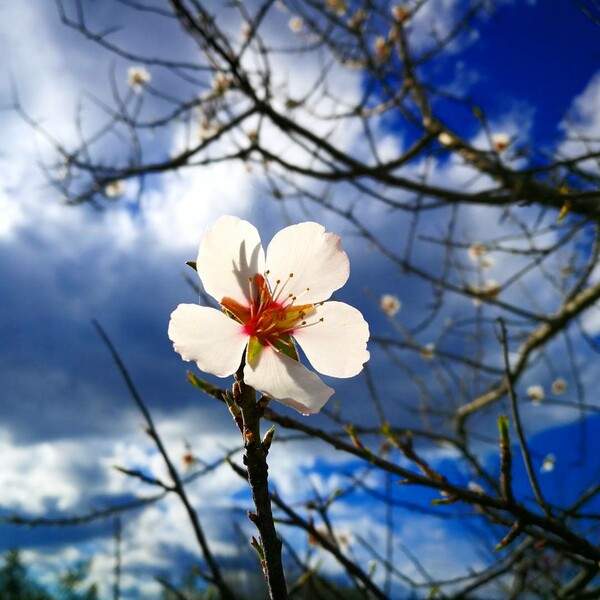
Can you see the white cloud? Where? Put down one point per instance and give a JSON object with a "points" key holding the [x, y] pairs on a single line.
{"points": [[585, 109], [581, 126], [55, 475]]}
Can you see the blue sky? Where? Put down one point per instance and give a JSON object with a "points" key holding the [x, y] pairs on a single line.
{"points": [[66, 416]]}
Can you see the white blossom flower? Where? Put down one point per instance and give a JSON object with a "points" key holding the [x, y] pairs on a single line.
{"points": [[559, 386], [428, 351], [500, 142], [548, 464], [445, 139], [536, 393], [114, 189], [390, 304], [296, 23], [245, 31], [267, 298], [475, 487], [188, 461], [137, 77], [476, 251], [491, 289]]}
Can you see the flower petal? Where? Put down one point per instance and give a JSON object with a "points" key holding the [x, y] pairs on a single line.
{"points": [[208, 337], [336, 346], [230, 252], [315, 258], [285, 379]]}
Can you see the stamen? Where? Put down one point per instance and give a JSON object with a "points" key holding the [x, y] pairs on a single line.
{"points": [[264, 298], [272, 346], [270, 327], [251, 296], [287, 303], [276, 293], [304, 324], [301, 294], [273, 314]]}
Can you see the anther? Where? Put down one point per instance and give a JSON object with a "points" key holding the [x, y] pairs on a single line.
{"points": [[291, 274]]}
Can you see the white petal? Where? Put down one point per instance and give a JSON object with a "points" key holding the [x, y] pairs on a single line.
{"points": [[286, 380], [208, 337], [314, 257], [337, 346], [230, 252]]}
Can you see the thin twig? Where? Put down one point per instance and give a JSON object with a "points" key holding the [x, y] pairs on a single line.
{"points": [[255, 460], [517, 422]]}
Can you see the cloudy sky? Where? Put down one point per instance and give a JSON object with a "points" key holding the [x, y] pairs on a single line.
{"points": [[66, 417]]}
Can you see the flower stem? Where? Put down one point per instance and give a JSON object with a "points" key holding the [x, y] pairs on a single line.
{"points": [[255, 459]]}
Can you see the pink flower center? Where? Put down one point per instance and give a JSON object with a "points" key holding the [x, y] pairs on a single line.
{"points": [[272, 316]]}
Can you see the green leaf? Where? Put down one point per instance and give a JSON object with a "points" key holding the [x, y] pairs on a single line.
{"points": [[286, 346], [254, 349]]}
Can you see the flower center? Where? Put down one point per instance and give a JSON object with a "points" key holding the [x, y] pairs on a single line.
{"points": [[272, 316]]}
